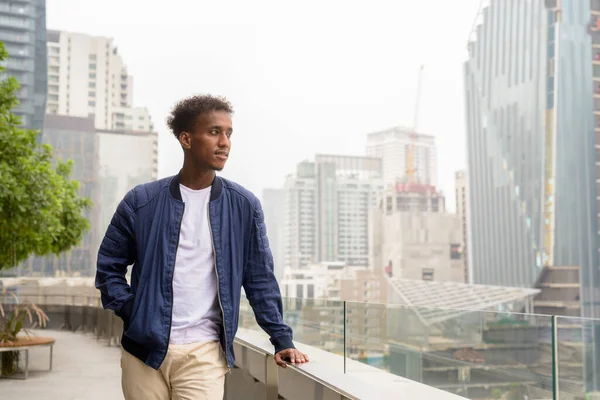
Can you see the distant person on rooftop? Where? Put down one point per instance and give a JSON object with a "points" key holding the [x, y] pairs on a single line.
{"points": [[194, 240]]}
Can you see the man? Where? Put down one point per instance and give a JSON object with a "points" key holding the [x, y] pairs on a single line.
{"points": [[194, 239]]}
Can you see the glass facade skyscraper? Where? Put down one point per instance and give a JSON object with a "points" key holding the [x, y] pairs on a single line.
{"points": [[23, 31], [531, 147]]}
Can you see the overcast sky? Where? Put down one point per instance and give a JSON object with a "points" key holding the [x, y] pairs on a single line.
{"points": [[304, 77]]}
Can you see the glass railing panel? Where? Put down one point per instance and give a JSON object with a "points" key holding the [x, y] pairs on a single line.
{"points": [[578, 357], [315, 322], [477, 355]]}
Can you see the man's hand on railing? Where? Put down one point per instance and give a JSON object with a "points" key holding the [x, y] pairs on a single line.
{"points": [[291, 356]]}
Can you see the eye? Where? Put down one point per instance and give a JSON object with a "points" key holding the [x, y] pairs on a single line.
{"points": [[214, 132]]}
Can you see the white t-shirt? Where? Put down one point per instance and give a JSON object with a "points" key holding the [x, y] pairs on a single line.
{"points": [[196, 311]]}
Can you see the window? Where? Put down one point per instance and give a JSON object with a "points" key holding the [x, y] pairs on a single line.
{"points": [[427, 274], [92, 85], [456, 251], [92, 103], [311, 291], [299, 291], [92, 75], [93, 67], [91, 93]]}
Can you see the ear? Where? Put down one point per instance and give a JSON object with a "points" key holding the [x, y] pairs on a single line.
{"points": [[185, 139]]}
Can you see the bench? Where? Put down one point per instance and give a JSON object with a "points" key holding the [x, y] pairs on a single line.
{"points": [[23, 345]]}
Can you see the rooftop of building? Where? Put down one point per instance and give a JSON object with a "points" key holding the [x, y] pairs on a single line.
{"points": [[84, 124], [400, 131], [435, 302]]}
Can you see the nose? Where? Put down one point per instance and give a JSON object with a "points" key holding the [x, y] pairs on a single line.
{"points": [[224, 141]]}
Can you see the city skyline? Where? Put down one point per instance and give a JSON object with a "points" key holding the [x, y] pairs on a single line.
{"points": [[349, 97]]}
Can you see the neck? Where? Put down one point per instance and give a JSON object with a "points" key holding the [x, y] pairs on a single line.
{"points": [[195, 178]]}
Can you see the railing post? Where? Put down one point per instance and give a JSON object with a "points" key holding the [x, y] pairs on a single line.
{"points": [[97, 323], [271, 379], [110, 330], [345, 342], [84, 319], [67, 318], [555, 359]]}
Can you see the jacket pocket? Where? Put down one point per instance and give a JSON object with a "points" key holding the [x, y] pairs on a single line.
{"points": [[126, 311]]}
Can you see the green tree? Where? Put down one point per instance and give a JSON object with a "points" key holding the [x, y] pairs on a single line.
{"points": [[40, 210]]}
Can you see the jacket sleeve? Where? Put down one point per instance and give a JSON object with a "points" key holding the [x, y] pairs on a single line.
{"points": [[261, 286], [117, 252]]}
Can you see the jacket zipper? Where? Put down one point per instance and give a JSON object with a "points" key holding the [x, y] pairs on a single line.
{"points": [[172, 276], [219, 290]]}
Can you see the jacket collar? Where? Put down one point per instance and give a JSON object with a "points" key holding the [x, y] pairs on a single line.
{"points": [[215, 192]]}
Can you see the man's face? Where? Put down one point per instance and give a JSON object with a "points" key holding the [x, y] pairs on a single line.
{"points": [[209, 142]]}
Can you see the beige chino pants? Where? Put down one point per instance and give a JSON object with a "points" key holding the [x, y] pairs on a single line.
{"points": [[189, 372]]}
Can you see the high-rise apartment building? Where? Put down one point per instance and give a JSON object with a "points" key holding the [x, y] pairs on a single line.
{"points": [[392, 146], [23, 31], [300, 217], [273, 204], [87, 75], [461, 210], [531, 81], [327, 210]]}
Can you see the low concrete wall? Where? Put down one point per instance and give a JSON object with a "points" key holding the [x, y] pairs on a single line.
{"points": [[240, 384]]}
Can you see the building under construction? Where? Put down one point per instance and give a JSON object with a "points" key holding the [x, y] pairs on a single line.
{"points": [[413, 197], [413, 237]]}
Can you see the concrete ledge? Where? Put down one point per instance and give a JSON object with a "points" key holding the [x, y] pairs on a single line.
{"points": [[323, 377]]}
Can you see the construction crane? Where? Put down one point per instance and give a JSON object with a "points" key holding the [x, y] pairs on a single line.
{"points": [[411, 164]]}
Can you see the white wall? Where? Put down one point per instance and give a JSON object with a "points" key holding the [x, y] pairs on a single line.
{"points": [[415, 242]]}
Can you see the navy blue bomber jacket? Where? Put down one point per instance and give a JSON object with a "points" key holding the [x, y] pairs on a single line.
{"points": [[144, 232]]}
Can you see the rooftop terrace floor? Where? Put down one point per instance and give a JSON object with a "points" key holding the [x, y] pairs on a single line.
{"points": [[83, 369]]}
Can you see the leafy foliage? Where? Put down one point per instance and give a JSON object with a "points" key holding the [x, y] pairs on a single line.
{"points": [[40, 210], [17, 314]]}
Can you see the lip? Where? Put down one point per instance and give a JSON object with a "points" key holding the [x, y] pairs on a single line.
{"points": [[222, 156]]}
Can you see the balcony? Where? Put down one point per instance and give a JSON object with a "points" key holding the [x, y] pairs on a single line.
{"points": [[403, 352], [14, 9], [15, 64], [17, 22], [8, 37]]}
